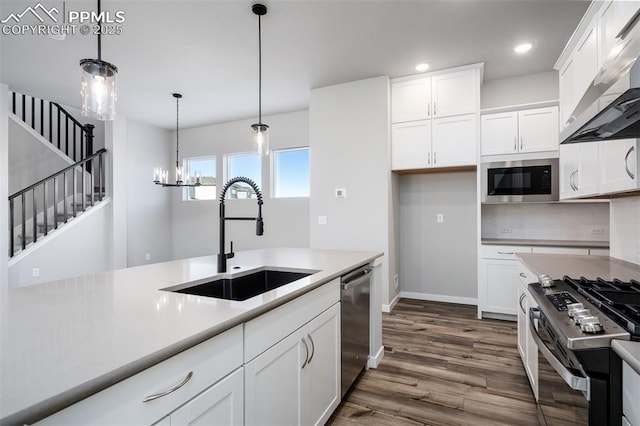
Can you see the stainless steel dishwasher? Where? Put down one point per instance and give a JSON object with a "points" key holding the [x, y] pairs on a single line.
{"points": [[354, 310]]}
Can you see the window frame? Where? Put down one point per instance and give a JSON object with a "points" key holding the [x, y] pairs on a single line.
{"points": [[185, 165], [226, 168]]}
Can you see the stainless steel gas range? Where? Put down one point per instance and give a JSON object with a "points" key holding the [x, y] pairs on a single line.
{"points": [[573, 326]]}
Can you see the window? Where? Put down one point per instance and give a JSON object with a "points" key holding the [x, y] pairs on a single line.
{"points": [[246, 165], [205, 167], [291, 173]]}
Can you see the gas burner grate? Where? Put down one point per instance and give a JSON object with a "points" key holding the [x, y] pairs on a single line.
{"points": [[619, 300]]}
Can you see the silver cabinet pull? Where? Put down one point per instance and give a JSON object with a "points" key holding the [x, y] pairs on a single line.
{"points": [[521, 143], [429, 158], [306, 357], [515, 143], [522, 296], [435, 160], [428, 109], [506, 252], [168, 391], [434, 109], [523, 275], [626, 162], [571, 184], [313, 348], [575, 179]]}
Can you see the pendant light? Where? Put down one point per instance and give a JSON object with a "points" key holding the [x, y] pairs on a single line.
{"points": [[260, 130], [98, 88], [161, 176]]}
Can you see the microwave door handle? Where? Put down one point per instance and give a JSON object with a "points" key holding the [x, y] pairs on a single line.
{"points": [[575, 382]]}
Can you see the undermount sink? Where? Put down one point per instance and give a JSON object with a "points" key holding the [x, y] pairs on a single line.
{"points": [[243, 287]]}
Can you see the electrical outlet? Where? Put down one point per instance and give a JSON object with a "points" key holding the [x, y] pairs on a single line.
{"points": [[322, 220], [147, 256], [396, 283], [439, 218], [596, 230], [35, 272], [506, 229]]}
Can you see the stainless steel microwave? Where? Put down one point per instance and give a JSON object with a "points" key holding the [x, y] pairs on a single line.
{"points": [[526, 181]]}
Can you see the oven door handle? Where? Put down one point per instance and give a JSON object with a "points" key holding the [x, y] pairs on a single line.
{"points": [[575, 382]]}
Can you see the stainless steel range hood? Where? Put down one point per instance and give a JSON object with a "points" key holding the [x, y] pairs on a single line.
{"points": [[597, 116]]}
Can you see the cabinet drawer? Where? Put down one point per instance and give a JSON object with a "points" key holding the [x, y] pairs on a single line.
{"points": [[560, 250], [502, 252], [122, 403], [268, 329]]}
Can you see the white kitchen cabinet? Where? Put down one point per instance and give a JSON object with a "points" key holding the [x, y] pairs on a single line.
{"points": [[630, 394], [568, 85], [411, 145], [442, 142], [526, 344], [222, 404], [455, 94], [531, 130], [618, 166], [587, 59], [411, 100], [189, 373], [578, 170], [454, 140], [611, 18], [297, 381]]}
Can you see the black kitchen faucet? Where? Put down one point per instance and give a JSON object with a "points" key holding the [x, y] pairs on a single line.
{"points": [[222, 256]]}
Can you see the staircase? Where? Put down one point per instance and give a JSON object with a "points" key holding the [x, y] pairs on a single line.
{"points": [[43, 207]]}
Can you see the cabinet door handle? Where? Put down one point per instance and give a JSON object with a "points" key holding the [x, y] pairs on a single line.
{"points": [[626, 162], [506, 252], [521, 143], [522, 296], [313, 348], [429, 158], [571, 184], [434, 109], [523, 275], [575, 179], [428, 109], [306, 357], [515, 143], [168, 391], [435, 159]]}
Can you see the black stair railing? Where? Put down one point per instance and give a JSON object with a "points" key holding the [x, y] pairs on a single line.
{"points": [[37, 201], [55, 124]]}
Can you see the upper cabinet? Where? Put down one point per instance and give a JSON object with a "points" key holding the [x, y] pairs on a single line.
{"points": [[531, 130], [435, 120], [587, 59], [619, 166]]}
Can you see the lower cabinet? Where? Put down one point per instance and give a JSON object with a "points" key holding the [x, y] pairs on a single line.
{"points": [[221, 404], [526, 345], [297, 381], [630, 395]]}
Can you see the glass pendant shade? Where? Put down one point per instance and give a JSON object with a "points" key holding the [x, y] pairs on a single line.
{"points": [[260, 138], [98, 89]]}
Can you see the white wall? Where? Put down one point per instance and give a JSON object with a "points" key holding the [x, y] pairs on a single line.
{"points": [[4, 187], [72, 251], [195, 224], [117, 187], [558, 221], [438, 260], [519, 90], [148, 205], [32, 158], [349, 139], [625, 229]]}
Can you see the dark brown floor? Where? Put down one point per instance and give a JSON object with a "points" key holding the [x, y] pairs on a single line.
{"points": [[442, 366]]}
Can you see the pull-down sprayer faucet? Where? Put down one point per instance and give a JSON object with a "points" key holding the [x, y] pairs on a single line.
{"points": [[222, 256]]}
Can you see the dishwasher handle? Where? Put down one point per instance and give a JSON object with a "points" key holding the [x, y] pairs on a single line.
{"points": [[350, 281]]}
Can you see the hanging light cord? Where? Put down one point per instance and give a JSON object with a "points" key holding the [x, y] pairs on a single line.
{"points": [[259, 71], [99, 35], [177, 131]]}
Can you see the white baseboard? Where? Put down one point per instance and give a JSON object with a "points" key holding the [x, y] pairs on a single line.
{"points": [[439, 298], [374, 361], [387, 308]]}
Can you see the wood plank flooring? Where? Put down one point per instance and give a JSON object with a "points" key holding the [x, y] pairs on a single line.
{"points": [[442, 366]]}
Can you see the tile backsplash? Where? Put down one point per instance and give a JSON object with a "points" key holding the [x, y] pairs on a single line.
{"points": [[553, 221]]}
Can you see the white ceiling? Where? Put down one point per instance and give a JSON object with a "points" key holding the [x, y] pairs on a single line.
{"points": [[207, 50]]}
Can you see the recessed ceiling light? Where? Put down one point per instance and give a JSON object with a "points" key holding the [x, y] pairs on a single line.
{"points": [[524, 47], [422, 67]]}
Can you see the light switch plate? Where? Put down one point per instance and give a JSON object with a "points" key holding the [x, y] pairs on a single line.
{"points": [[322, 220], [440, 218]]}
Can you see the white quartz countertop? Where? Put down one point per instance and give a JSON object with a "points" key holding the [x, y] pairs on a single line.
{"points": [[628, 351], [64, 340], [557, 266]]}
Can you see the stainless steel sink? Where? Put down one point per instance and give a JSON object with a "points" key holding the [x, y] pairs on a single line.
{"points": [[243, 287]]}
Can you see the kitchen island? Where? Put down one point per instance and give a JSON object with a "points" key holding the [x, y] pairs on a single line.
{"points": [[63, 341]]}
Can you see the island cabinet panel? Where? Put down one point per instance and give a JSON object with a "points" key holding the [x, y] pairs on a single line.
{"points": [[189, 373], [297, 381]]}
